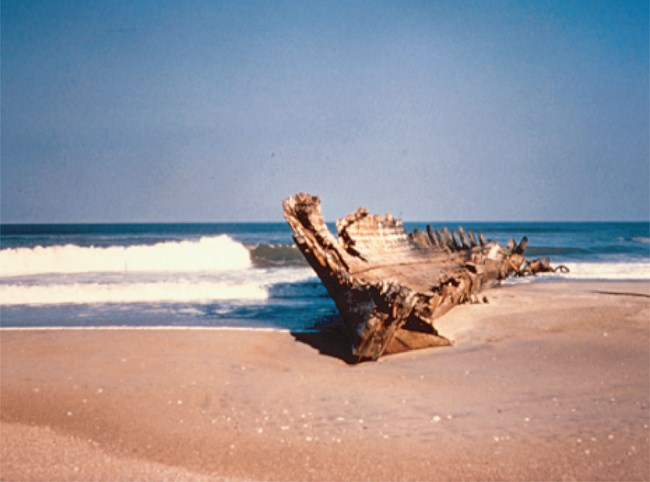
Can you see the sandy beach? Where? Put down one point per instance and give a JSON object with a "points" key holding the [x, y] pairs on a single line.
{"points": [[547, 381]]}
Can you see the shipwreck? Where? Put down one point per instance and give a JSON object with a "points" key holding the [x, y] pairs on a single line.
{"points": [[389, 285]]}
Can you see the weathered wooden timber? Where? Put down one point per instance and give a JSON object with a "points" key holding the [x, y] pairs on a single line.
{"points": [[388, 285]]}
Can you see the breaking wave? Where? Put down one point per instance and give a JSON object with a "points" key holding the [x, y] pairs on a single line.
{"points": [[215, 253], [206, 269]]}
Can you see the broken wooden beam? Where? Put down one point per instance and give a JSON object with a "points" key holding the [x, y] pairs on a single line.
{"points": [[389, 285]]}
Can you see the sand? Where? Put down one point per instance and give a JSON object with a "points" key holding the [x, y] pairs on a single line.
{"points": [[548, 381]]}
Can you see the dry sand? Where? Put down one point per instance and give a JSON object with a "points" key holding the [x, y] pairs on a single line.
{"points": [[549, 381]]}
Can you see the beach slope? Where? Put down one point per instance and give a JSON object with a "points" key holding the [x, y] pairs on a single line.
{"points": [[548, 381]]}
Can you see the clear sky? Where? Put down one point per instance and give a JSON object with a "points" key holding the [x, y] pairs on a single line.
{"points": [[187, 110]]}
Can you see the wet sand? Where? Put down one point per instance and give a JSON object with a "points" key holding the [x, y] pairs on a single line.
{"points": [[548, 381]]}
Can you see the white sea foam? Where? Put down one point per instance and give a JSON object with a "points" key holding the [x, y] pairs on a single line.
{"points": [[639, 270], [215, 253], [129, 293], [248, 286]]}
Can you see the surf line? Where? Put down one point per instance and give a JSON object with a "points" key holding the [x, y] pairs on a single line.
{"points": [[139, 328]]}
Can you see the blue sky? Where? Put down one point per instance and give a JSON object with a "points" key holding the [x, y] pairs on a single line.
{"points": [[186, 110]]}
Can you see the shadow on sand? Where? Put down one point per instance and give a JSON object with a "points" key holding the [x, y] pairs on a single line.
{"points": [[329, 339]]}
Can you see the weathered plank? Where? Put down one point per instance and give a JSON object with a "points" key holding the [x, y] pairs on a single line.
{"points": [[390, 286]]}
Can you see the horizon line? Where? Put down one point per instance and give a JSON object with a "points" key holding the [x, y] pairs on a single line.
{"points": [[472, 221]]}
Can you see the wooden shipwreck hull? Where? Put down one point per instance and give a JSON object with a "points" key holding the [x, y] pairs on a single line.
{"points": [[390, 286]]}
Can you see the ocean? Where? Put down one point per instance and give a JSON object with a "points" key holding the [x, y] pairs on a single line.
{"points": [[246, 275]]}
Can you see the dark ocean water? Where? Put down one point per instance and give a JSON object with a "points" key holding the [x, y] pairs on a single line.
{"points": [[236, 275]]}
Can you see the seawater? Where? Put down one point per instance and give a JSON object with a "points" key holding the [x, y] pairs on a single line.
{"points": [[236, 275]]}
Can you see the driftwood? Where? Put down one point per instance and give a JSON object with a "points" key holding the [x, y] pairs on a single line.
{"points": [[388, 285]]}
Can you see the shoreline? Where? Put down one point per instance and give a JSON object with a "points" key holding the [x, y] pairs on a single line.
{"points": [[509, 284], [143, 327], [547, 381]]}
